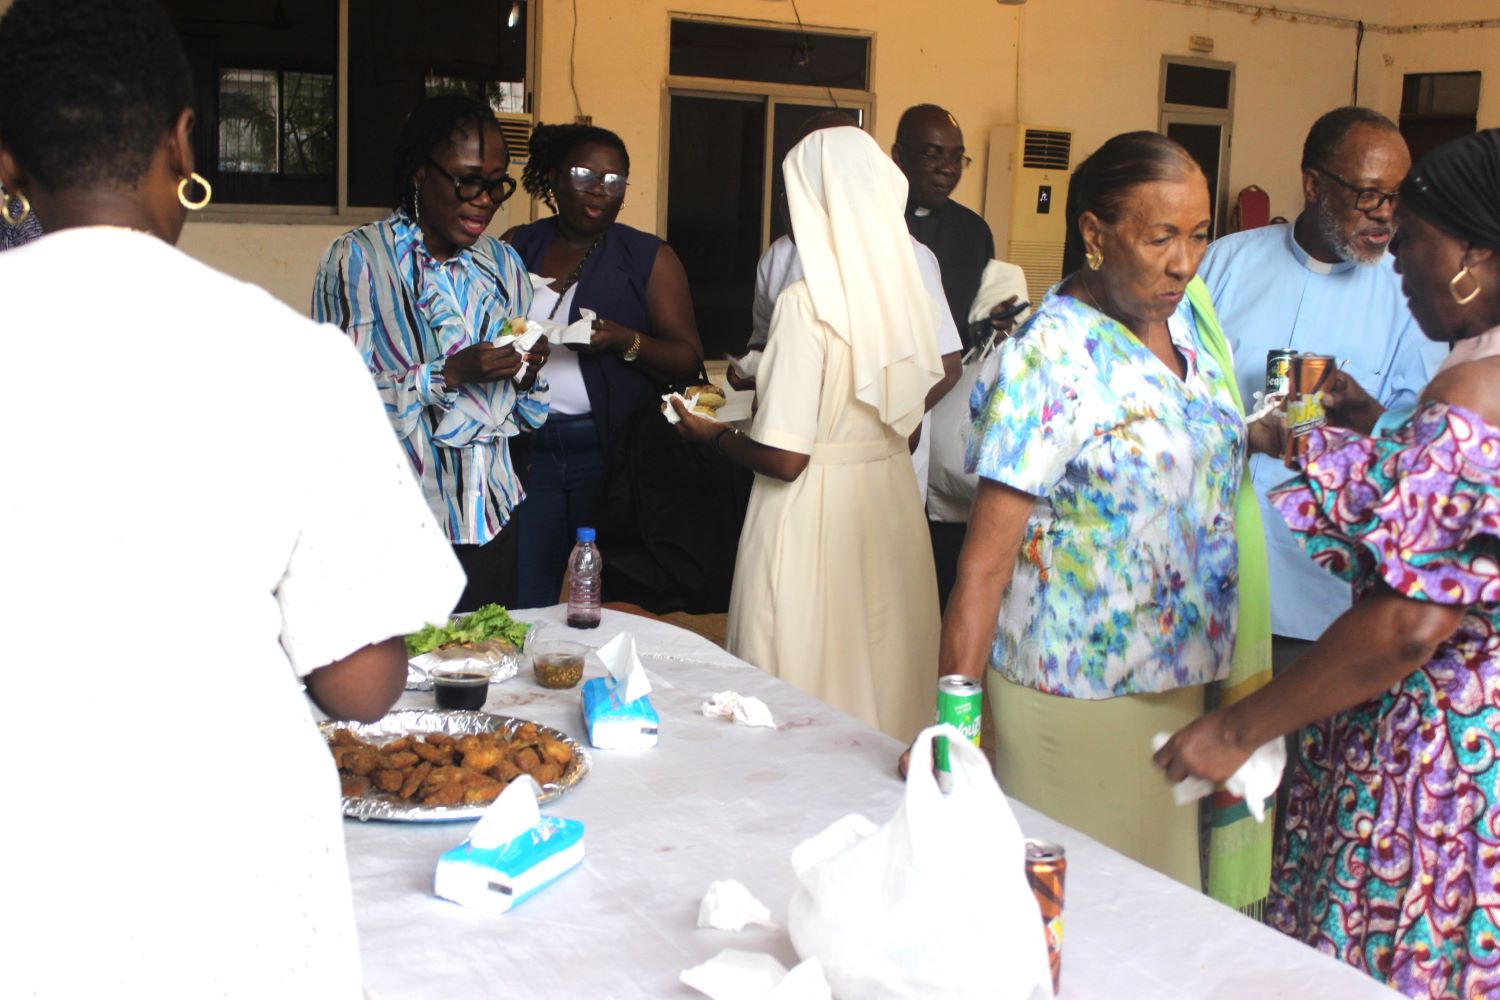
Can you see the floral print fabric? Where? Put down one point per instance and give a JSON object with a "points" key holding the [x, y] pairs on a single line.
{"points": [[1125, 582], [1391, 856]]}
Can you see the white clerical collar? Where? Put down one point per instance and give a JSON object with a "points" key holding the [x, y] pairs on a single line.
{"points": [[921, 212], [1310, 262]]}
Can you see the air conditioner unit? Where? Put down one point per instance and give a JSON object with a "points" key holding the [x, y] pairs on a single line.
{"points": [[1026, 197], [516, 128]]}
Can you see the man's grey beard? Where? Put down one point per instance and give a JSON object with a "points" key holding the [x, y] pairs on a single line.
{"points": [[1328, 227]]}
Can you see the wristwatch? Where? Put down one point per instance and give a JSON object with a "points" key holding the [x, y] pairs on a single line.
{"points": [[635, 349]]}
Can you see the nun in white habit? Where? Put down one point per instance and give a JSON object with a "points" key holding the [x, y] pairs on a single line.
{"points": [[834, 590]]}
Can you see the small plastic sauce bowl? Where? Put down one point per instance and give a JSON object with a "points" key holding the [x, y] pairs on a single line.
{"points": [[558, 665]]}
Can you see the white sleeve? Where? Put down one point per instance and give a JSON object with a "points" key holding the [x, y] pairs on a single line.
{"points": [[370, 561], [948, 341]]}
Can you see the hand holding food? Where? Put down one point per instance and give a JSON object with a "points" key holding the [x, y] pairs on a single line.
{"points": [[481, 363], [692, 426]]}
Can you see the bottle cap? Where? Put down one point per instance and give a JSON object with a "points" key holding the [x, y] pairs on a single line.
{"points": [[585, 534]]}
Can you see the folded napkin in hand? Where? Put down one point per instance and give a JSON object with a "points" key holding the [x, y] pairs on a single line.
{"points": [[1255, 781]]}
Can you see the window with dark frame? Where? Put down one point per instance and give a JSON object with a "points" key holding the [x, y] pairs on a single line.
{"points": [[401, 52], [265, 74], [769, 55], [265, 78], [1438, 107]]}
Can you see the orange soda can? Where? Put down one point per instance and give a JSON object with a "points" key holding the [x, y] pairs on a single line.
{"points": [[1307, 374], [1046, 864]]}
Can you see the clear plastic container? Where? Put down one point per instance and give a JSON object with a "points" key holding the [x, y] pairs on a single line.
{"points": [[585, 581]]}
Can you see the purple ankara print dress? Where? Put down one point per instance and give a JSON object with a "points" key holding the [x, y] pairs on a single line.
{"points": [[1391, 856]]}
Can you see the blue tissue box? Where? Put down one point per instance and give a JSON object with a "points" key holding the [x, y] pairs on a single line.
{"points": [[498, 878], [618, 725]]}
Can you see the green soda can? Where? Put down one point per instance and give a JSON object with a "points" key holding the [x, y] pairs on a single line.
{"points": [[960, 702]]}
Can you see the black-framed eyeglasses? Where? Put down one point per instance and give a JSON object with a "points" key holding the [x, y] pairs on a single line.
{"points": [[935, 156], [587, 179], [470, 186], [1365, 199]]}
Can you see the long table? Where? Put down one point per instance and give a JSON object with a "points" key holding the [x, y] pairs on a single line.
{"points": [[716, 800]]}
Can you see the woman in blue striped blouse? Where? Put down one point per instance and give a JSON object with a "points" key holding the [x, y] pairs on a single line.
{"points": [[424, 294]]}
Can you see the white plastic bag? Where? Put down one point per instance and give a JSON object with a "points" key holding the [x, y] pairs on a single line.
{"points": [[933, 905]]}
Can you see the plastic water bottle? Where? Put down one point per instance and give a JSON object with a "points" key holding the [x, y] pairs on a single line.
{"points": [[585, 581]]}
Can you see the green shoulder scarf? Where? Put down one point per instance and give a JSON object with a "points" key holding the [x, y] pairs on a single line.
{"points": [[1239, 849]]}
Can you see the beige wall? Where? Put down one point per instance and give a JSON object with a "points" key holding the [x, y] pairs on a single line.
{"points": [[1089, 65], [622, 61]]}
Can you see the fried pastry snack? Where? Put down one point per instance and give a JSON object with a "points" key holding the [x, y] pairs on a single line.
{"points": [[437, 769]]}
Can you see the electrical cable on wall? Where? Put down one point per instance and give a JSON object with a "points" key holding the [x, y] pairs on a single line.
{"points": [[573, 63], [806, 55], [1359, 40]]}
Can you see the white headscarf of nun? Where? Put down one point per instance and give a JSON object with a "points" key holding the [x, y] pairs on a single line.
{"points": [[846, 199]]}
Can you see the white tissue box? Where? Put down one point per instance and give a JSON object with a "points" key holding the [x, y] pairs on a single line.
{"points": [[495, 879], [618, 725]]}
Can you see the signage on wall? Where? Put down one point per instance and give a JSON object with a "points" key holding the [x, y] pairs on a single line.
{"points": [[1044, 199]]}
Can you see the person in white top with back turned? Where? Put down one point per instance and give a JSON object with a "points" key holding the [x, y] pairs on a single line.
{"points": [[206, 511]]}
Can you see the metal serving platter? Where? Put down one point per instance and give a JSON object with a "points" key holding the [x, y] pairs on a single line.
{"points": [[416, 721]]}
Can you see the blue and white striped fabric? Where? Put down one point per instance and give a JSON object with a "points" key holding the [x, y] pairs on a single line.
{"points": [[407, 312]]}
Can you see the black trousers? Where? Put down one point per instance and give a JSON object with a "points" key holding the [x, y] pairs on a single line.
{"points": [[491, 569], [947, 542]]}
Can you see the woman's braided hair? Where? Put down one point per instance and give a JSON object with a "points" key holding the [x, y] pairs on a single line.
{"points": [[551, 145], [432, 123]]}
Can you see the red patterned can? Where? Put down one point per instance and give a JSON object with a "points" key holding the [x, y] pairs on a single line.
{"points": [[1046, 864]]}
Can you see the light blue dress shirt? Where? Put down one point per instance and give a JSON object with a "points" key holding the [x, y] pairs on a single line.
{"points": [[1269, 293]]}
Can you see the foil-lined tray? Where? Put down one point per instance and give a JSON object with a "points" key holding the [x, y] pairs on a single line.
{"points": [[497, 656], [415, 722]]}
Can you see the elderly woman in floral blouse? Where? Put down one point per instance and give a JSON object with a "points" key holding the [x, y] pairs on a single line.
{"points": [[1110, 446]]}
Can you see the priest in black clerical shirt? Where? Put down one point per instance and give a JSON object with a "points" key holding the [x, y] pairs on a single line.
{"points": [[929, 150]]}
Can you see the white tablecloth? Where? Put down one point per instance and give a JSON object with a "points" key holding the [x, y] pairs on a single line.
{"points": [[715, 800]]}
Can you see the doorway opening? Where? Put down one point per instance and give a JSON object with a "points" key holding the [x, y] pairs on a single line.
{"points": [[1197, 110], [729, 123]]}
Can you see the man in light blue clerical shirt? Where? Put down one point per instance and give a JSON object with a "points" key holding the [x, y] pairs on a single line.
{"points": [[1324, 285]]}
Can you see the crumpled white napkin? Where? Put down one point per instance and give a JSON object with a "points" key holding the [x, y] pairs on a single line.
{"points": [[1255, 781], [581, 332], [746, 366], [746, 975], [531, 332], [671, 412], [728, 906], [744, 709], [1265, 405]]}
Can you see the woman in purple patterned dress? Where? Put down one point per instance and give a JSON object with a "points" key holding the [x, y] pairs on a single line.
{"points": [[1391, 852]]}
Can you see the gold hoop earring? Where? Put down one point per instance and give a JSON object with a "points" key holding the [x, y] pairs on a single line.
{"points": [[1094, 259], [14, 220], [1464, 300], [196, 178]]}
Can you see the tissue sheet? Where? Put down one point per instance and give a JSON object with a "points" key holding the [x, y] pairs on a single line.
{"points": [[728, 906], [1255, 781], [746, 710], [746, 975]]}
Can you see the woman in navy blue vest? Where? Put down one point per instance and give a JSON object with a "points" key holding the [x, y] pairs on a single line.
{"points": [[644, 337]]}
